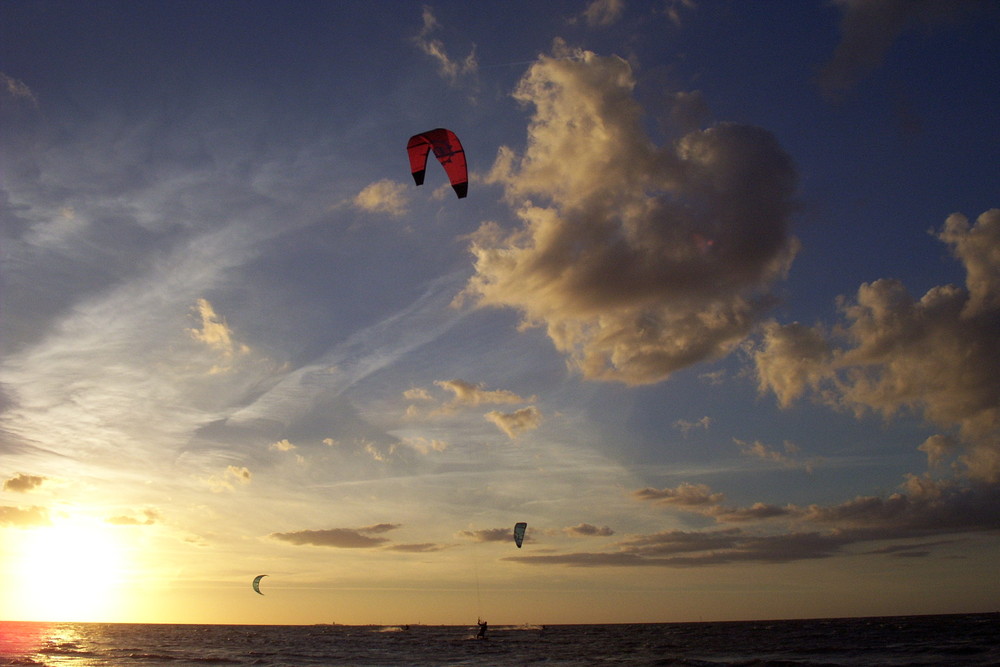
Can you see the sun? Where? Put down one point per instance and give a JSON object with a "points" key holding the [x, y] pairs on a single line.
{"points": [[72, 570]]}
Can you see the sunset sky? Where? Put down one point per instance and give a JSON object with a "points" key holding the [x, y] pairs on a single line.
{"points": [[719, 318]]}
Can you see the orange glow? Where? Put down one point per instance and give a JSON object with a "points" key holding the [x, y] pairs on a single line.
{"points": [[70, 571]]}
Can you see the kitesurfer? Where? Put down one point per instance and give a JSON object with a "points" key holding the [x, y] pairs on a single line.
{"points": [[482, 628]]}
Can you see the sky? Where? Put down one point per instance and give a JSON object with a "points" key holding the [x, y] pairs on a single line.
{"points": [[719, 318]]}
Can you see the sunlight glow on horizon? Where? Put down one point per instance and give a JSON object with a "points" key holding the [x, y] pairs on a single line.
{"points": [[73, 570]]}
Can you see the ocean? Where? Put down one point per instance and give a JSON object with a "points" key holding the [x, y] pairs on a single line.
{"points": [[964, 639]]}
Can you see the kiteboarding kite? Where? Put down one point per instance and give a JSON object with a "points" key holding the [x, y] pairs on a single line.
{"points": [[449, 152], [256, 582], [519, 533]]}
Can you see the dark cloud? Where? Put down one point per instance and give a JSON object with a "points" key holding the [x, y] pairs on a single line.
{"points": [[24, 517], [869, 28], [693, 549], [22, 483], [488, 535], [588, 530], [343, 538], [685, 495], [756, 512], [426, 547]]}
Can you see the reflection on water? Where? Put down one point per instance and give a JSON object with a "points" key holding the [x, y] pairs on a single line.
{"points": [[39, 642], [23, 638]]}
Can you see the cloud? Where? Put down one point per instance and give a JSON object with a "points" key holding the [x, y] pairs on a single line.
{"points": [[588, 530], [417, 394], [686, 427], [341, 538], [921, 509], [24, 517], [685, 495], [869, 28], [452, 70], [233, 474], [467, 393], [427, 547], [756, 512], [517, 422], [674, 7], [697, 549], [21, 483], [151, 517], [924, 507], [385, 196], [282, 446], [425, 446], [240, 474], [217, 335], [15, 92], [758, 449], [488, 534], [637, 260], [603, 12], [935, 357]]}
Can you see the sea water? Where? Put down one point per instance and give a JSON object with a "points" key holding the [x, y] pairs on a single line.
{"points": [[967, 639]]}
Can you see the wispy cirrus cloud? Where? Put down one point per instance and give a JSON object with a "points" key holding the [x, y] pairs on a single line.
{"points": [[450, 69]]}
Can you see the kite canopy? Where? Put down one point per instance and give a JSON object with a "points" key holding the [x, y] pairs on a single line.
{"points": [[256, 582], [449, 152], [519, 529]]}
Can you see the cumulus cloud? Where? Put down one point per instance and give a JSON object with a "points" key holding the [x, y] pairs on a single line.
{"points": [[21, 483], [21, 517], [869, 28], [282, 446], [341, 538], [217, 335], [517, 422], [233, 474], [935, 356], [385, 196], [637, 260], [450, 69]]}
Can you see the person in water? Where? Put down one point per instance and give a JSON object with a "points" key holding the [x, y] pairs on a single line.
{"points": [[482, 628]]}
